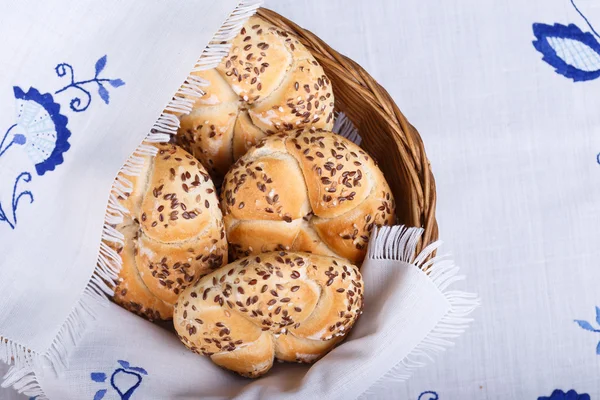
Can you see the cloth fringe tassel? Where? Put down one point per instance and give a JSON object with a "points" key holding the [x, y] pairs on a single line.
{"points": [[400, 243]]}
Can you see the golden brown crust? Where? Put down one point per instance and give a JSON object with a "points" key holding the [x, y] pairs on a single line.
{"points": [[349, 234], [257, 62], [250, 361], [131, 292], [336, 172], [262, 236], [177, 206], [217, 91], [268, 83], [251, 191], [291, 348], [173, 236], [305, 302], [328, 190], [207, 134], [245, 135], [308, 240], [167, 268], [304, 99]]}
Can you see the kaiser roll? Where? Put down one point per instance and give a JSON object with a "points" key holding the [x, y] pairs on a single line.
{"points": [[173, 235], [310, 191], [268, 83], [290, 306]]}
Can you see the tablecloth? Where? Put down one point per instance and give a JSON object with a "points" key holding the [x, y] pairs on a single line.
{"points": [[513, 146], [505, 94]]}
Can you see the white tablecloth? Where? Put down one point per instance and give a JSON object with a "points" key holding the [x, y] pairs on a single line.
{"points": [[513, 145]]}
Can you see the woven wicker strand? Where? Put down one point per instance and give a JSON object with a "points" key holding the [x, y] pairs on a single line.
{"points": [[387, 135]]}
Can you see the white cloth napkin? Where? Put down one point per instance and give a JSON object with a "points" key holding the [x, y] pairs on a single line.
{"points": [[408, 316], [82, 85]]}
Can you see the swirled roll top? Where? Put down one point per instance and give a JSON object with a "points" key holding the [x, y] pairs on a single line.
{"points": [[307, 191], [289, 306], [173, 235], [268, 83]]}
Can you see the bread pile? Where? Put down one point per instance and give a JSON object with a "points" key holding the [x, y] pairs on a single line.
{"points": [[296, 210], [268, 83]]}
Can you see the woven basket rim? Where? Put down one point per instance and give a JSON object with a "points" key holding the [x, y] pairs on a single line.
{"points": [[358, 84]]}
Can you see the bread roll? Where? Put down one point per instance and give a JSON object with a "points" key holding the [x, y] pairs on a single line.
{"points": [[268, 83], [174, 233], [289, 306], [310, 191]]}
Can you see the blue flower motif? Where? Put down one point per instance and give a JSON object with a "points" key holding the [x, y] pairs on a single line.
{"points": [[573, 53], [570, 395], [40, 128], [129, 379], [41, 131]]}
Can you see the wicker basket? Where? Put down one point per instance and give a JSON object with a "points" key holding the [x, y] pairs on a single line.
{"points": [[387, 135]]}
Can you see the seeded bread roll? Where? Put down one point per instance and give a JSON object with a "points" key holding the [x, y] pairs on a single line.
{"points": [[268, 83], [290, 306], [173, 235], [310, 191]]}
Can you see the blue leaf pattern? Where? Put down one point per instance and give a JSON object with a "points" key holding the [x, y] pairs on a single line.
{"points": [[572, 52], [124, 364], [100, 394], [588, 327], [98, 376], [100, 64], [585, 325], [140, 370], [103, 93], [116, 83]]}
